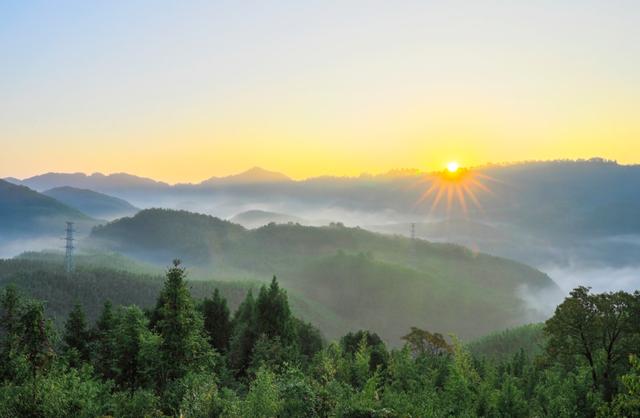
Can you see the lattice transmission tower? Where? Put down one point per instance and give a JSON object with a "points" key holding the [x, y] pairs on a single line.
{"points": [[69, 263]]}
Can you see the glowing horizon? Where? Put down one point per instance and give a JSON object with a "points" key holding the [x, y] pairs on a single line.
{"points": [[180, 93]]}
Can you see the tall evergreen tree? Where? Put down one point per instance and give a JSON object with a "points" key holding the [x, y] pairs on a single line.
{"points": [[76, 337], [243, 335], [217, 323], [36, 341], [105, 342], [128, 344], [11, 305], [180, 326], [273, 315]]}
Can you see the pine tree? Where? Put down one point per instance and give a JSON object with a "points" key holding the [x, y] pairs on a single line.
{"points": [[76, 337], [243, 335], [217, 324], [104, 337], [273, 315], [128, 343], [180, 326], [11, 306], [36, 341]]}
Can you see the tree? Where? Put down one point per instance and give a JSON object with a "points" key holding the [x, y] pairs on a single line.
{"points": [[263, 399], [599, 328], [627, 402], [76, 337], [11, 307], [105, 342], [379, 355], [273, 315], [217, 324], [131, 327], [36, 341], [423, 342], [243, 336], [183, 344]]}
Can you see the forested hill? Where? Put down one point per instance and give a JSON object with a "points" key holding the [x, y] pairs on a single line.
{"points": [[368, 280], [27, 213], [99, 278]]}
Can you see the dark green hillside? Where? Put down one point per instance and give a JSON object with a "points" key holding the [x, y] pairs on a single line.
{"points": [[27, 213], [97, 205], [43, 277], [161, 234], [366, 279], [500, 345]]}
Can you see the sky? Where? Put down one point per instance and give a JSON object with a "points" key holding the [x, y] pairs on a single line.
{"points": [[185, 90]]}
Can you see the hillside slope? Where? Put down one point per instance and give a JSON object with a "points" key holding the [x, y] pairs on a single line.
{"points": [[43, 278], [367, 279], [94, 204], [25, 213]]}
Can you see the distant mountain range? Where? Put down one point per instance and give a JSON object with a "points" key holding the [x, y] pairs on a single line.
{"points": [[252, 176], [555, 211], [94, 204], [95, 181]]}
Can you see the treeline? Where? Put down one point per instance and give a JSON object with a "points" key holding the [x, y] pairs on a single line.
{"points": [[195, 359]]}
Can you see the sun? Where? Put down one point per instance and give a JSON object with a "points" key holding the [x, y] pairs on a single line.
{"points": [[456, 186]]}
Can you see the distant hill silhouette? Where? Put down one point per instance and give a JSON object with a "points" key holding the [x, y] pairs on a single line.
{"points": [[95, 181], [25, 213], [97, 205], [257, 218], [541, 211]]}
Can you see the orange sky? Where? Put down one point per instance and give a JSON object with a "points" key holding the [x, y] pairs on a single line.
{"points": [[185, 93]]}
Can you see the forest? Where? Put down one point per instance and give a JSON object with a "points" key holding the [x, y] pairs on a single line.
{"points": [[191, 357]]}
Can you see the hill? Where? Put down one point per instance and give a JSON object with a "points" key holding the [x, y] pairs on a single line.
{"points": [[529, 338], [97, 205], [258, 218], [358, 275], [25, 213], [43, 277]]}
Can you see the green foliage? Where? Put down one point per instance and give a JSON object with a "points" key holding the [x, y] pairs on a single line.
{"points": [[76, 337], [217, 323], [597, 329], [263, 399], [530, 338], [161, 363], [442, 287], [183, 344]]}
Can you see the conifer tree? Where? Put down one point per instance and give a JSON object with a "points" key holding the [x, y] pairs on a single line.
{"points": [[76, 337], [273, 315], [36, 341], [11, 305], [183, 345], [105, 341], [217, 324], [243, 336]]}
